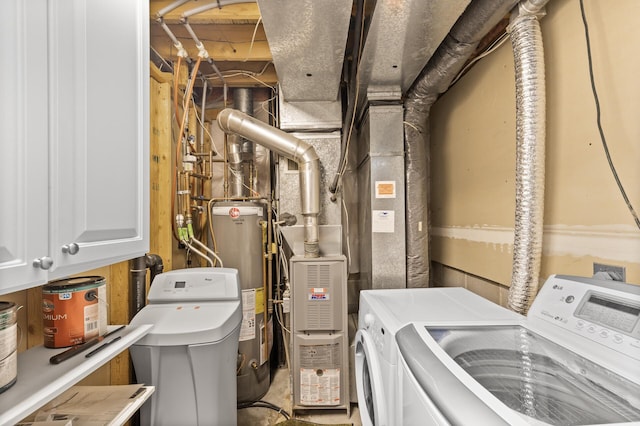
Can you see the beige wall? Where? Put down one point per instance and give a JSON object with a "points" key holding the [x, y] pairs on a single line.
{"points": [[473, 151]]}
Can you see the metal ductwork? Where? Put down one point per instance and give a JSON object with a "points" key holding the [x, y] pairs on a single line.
{"points": [[233, 121], [528, 53], [450, 57], [400, 39], [307, 39]]}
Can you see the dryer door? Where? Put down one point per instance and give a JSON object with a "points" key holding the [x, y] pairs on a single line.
{"points": [[369, 384]]}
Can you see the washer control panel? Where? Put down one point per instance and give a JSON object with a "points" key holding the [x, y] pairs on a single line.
{"points": [[607, 312]]}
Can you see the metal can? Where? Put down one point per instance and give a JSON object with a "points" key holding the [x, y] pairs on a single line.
{"points": [[8, 345], [74, 310]]}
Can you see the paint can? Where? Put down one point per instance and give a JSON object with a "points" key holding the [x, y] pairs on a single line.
{"points": [[74, 310], [8, 345]]}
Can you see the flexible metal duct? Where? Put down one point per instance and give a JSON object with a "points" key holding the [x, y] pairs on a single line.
{"points": [[435, 78], [526, 39], [233, 121]]}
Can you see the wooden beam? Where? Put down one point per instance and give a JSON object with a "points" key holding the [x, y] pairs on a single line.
{"points": [[159, 76], [222, 42], [231, 14]]}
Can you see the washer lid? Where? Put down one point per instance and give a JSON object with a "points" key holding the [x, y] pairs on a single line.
{"points": [[188, 323], [527, 373]]}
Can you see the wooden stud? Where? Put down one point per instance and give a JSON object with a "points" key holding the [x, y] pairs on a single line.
{"points": [[118, 287], [161, 169]]}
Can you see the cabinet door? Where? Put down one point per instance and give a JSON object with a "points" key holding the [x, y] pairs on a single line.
{"points": [[99, 85], [23, 143]]}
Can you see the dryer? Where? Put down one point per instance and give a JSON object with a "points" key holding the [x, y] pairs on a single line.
{"points": [[572, 361], [382, 313]]}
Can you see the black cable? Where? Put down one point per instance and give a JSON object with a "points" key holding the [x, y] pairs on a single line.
{"points": [[602, 137], [264, 404]]}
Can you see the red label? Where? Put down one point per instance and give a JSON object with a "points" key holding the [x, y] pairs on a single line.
{"points": [[234, 212]]}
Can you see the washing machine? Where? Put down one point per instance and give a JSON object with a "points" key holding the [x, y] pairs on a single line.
{"points": [[382, 313], [190, 354], [573, 360]]}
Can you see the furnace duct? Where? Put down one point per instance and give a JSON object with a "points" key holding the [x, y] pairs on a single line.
{"points": [[435, 78], [526, 39], [233, 121]]}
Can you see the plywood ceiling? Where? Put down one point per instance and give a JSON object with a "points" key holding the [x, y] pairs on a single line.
{"points": [[232, 35]]}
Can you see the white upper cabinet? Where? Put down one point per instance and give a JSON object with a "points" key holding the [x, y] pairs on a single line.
{"points": [[98, 68], [24, 183], [74, 138]]}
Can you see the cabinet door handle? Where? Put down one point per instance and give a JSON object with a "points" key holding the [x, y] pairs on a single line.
{"points": [[43, 263], [71, 249]]}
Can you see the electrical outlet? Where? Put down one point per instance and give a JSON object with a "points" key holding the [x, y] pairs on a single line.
{"points": [[617, 273]]}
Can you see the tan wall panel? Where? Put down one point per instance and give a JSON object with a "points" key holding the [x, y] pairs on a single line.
{"points": [[473, 151]]}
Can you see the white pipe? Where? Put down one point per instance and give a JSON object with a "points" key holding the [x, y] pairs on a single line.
{"points": [[233, 121], [181, 50], [169, 8], [198, 252], [202, 113], [211, 252], [201, 49]]}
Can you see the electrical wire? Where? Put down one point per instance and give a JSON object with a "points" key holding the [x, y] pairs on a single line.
{"points": [[265, 109], [253, 39], [343, 166], [346, 224], [599, 120], [199, 119], [249, 74], [490, 49]]}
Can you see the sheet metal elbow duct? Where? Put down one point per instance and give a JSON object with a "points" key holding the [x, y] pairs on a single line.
{"points": [[526, 39], [233, 121]]}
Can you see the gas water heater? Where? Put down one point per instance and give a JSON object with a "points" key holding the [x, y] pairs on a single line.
{"points": [[240, 229]]}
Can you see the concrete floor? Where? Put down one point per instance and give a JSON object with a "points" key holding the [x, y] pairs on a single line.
{"points": [[279, 394]]}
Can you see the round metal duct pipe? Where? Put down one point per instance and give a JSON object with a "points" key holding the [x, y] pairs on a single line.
{"points": [[237, 122]]}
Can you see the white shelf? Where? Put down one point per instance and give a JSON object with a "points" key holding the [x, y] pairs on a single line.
{"points": [[40, 381]]}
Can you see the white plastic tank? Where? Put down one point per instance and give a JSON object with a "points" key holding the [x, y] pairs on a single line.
{"points": [[190, 353]]}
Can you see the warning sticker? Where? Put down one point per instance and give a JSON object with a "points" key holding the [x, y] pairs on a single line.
{"points": [[385, 189], [248, 327], [320, 387]]}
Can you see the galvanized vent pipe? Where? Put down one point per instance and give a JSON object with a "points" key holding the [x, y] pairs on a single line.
{"points": [[526, 39], [236, 147], [233, 121]]}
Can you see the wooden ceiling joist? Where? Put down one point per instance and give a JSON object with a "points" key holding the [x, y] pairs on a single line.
{"points": [[242, 13]]}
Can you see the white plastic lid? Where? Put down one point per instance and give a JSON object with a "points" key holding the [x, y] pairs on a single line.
{"points": [[195, 285], [189, 323]]}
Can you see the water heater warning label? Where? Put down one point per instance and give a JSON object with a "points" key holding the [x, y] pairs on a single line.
{"points": [[318, 294], [320, 387], [248, 327]]}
